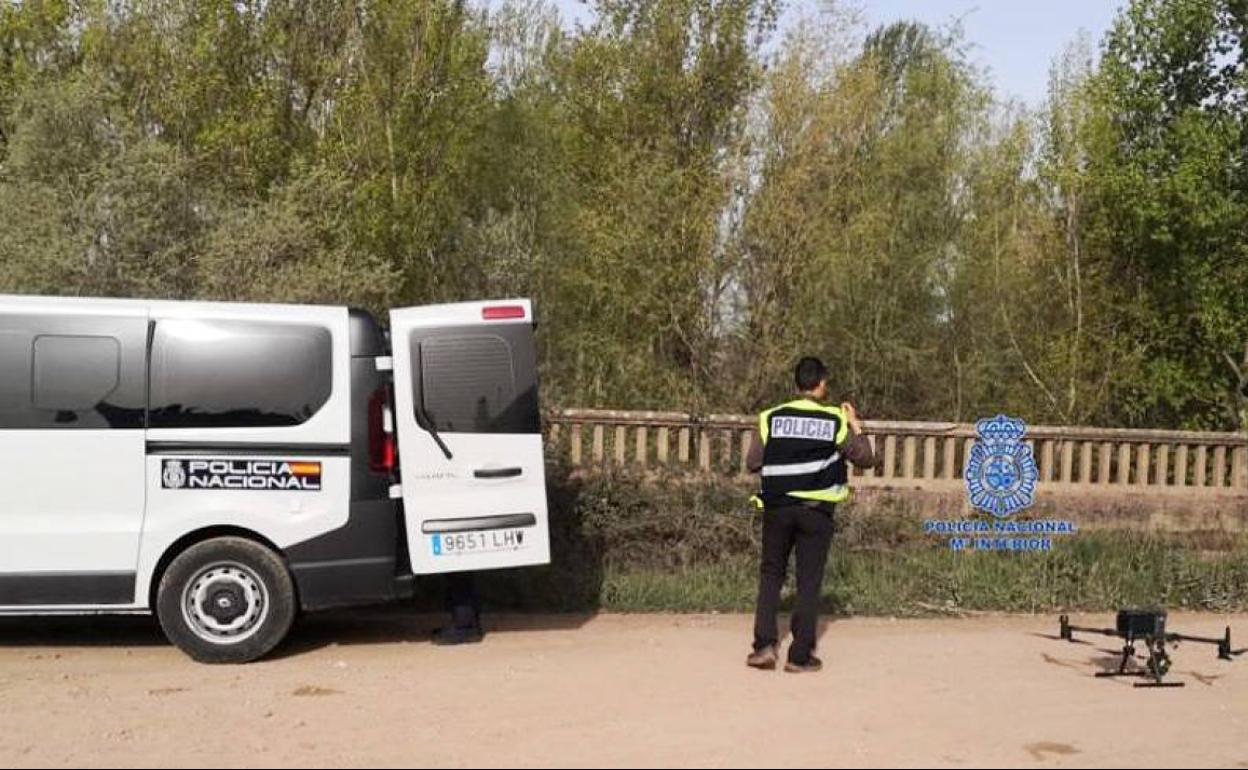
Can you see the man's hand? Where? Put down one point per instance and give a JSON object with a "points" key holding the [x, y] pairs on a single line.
{"points": [[851, 414], [858, 450]]}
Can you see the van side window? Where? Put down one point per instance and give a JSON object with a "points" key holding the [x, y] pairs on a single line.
{"points": [[478, 380], [82, 372], [72, 374], [238, 374]]}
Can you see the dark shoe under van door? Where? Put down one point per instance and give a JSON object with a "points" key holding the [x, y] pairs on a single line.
{"points": [[470, 442]]}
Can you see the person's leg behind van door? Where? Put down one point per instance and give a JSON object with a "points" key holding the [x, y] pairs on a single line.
{"points": [[813, 539], [465, 609]]}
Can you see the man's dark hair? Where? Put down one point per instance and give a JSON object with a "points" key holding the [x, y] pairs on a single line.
{"points": [[809, 373]]}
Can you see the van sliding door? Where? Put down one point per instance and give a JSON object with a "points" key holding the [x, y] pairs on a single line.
{"points": [[72, 393]]}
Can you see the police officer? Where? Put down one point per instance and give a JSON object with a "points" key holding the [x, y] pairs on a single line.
{"points": [[800, 451]]}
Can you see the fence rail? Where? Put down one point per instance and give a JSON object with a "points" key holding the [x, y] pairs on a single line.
{"points": [[920, 455]]}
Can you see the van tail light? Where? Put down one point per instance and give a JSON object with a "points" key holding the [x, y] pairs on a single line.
{"points": [[502, 312], [383, 448]]}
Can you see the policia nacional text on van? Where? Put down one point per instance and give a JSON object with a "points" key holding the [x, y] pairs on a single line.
{"points": [[800, 452]]}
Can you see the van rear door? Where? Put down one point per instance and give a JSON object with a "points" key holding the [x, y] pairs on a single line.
{"points": [[470, 443]]}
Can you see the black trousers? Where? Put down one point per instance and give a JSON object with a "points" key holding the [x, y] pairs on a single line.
{"points": [[786, 529], [462, 601]]}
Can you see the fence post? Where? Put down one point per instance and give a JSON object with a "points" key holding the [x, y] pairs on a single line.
{"points": [[1180, 466], [1106, 457], [1142, 465], [598, 430], [890, 456], [576, 442], [621, 435], [907, 457], [1162, 478], [1219, 466]]}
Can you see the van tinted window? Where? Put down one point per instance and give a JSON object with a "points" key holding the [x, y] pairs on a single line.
{"points": [[477, 379], [236, 374], [15, 357], [72, 371]]}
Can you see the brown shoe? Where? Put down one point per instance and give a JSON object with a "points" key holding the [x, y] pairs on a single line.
{"points": [[764, 659], [809, 667]]}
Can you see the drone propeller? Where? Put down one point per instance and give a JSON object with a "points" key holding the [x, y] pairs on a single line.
{"points": [[1224, 647]]}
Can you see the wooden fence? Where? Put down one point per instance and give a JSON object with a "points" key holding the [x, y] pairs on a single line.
{"points": [[921, 455]]}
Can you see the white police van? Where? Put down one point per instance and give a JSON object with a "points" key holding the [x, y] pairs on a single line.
{"points": [[227, 465]]}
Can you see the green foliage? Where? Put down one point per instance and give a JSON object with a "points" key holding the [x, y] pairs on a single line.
{"points": [[693, 200], [667, 544], [1168, 169], [97, 207]]}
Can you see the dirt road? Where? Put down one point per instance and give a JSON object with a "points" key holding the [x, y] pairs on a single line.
{"points": [[364, 688]]}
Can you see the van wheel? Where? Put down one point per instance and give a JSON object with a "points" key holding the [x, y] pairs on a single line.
{"points": [[226, 600]]}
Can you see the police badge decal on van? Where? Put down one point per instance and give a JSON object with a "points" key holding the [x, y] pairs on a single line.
{"points": [[258, 475]]}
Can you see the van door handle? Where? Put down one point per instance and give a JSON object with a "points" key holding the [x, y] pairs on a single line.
{"points": [[497, 473]]}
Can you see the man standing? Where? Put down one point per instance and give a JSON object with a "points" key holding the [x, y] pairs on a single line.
{"points": [[800, 451]]}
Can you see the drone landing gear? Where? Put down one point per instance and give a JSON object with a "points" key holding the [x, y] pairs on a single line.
{"points": [[1155, 669]]}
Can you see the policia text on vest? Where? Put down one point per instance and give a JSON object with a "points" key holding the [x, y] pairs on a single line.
{"points": [[801, 454]]}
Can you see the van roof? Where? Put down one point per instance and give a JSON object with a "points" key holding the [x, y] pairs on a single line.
{"points": [[116, 303], [367, 337]]}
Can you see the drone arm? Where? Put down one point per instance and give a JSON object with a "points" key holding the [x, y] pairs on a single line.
{"points": [[1199, 639], [1087, 630], [1224, 642]]}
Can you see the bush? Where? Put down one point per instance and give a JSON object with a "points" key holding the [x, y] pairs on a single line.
{"points": [[628, 542]]}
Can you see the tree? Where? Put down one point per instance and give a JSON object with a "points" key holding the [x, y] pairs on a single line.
{"points": [[1170, 175], [653, 99], [92, 206], [693, 201]]}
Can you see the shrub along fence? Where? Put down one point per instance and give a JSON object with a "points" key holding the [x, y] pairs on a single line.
{"points": [[649, 512]]}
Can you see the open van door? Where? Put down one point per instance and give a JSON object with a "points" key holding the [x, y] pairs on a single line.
{"points": [[470, 443]]}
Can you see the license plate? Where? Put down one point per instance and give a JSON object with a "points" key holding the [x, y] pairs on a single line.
{"points": [[492, 541]]}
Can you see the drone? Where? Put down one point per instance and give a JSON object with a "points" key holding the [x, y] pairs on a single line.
{"points": [[1148, 626]]}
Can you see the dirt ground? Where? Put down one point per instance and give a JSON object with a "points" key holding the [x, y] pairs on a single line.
{"points": [[365, 688]]}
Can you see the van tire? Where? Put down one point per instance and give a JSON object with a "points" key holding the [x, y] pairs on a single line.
{"points": [[226, 600]]}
